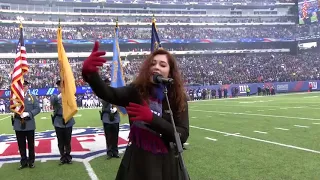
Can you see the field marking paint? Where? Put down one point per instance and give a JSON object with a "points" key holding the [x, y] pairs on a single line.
{"points": [[301, 126], [251, 97], [261, 132], [193, 117], [210, 139], [246, 102], [282, 129], [260, 140], [1, 165], [315, 123], [251, 102], [271, 109], [263, 115], [4, 118], [233, 134], [248, 111], [260, 110], [311, 97], [255, 106], [90, 171]]}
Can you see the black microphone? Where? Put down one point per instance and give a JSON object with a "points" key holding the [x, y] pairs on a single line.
{"points": [[159, 79]]}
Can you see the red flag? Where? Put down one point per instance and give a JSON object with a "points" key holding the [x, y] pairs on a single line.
{"points": [[20, 68]]}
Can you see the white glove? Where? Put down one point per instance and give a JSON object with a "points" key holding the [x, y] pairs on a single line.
{"points": [[24, 114], [59, 96], [113, 110]]}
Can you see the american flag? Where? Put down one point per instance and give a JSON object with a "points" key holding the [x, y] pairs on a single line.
{"points": [[305, 10], [20, 68]]}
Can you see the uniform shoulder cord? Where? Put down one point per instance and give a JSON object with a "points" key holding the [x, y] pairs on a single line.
{"points": [[31, 97]]}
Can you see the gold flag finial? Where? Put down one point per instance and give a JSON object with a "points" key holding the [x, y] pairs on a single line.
{"points": [[20, 24], [153, 19], [117, 22]]}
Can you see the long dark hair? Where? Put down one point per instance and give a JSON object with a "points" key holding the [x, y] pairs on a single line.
{"points": [[176, 91]]}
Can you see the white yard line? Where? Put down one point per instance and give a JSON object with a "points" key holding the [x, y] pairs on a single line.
{"points": [[260, 140], [4, 118], [90, 171], [261, 132], [315, 123], [301, 126], [282, 129], [210, 139], [262, 115]]}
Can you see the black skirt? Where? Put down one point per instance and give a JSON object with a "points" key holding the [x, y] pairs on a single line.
{"points": [[138, 164]]}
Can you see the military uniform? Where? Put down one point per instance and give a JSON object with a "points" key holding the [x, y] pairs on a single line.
{"points": [[25, 129], [111, 119], [111, 122], [63, 130]]}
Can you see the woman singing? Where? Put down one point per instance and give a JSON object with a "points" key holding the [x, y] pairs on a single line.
{"points": [[150, 154]]}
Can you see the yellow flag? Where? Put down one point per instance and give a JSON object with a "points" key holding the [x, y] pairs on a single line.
{"points": [[68, 86]]}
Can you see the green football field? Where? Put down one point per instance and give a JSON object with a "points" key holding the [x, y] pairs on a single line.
{"points": [[255, 138]]}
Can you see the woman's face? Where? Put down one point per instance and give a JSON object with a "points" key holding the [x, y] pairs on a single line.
{"points": [[160, 65]]}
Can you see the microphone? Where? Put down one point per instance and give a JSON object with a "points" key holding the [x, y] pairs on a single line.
{"points": [[159, 79]]}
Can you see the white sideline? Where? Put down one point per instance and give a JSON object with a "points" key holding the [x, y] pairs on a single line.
{"points": [[263, 115], [260, 140], [245, 97], [257, 106]]}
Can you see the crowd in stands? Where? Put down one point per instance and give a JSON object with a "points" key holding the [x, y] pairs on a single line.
{"points": [[97, 32], [203, 70], [237, 1], [159, 19], [167, 32]]}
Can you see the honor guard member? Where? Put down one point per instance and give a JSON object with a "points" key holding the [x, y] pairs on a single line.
{"points": [[111, 119], [24, 126], [63, 130]]}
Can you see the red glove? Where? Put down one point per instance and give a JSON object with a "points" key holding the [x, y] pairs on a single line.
{"points": [[91, 64], [139, 112]]}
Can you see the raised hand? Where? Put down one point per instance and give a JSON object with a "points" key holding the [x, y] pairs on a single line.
{"points": [[91, 64]]}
